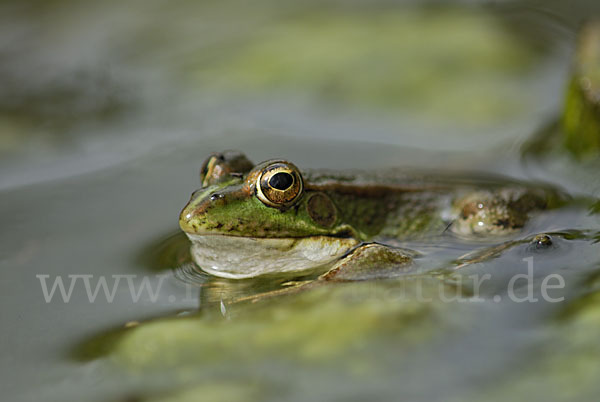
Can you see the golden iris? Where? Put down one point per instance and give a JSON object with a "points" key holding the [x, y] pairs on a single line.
{"points": [[279, 185]]}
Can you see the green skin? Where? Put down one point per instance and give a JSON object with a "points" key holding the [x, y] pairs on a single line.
{"points": [[369, 208]]}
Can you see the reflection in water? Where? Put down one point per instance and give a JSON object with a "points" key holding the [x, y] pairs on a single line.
{"points": [[166, 252], [356, 328], [353, 327]]}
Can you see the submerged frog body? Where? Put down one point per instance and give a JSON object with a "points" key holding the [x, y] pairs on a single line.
{"points": [[249, 220]]}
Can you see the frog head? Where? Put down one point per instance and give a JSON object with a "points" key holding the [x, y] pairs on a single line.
{"points": [[265, 215]]}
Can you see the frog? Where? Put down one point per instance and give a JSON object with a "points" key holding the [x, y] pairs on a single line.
{"points": [[248, 220]]}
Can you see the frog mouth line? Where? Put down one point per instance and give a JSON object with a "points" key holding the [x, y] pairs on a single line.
{"points": [[239, 257]]}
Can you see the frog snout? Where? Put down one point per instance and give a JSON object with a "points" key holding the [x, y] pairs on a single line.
{"points": [[187, 220], [193, 215]]}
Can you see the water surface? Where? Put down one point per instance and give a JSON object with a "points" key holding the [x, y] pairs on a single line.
{"points": [[107, 112]]}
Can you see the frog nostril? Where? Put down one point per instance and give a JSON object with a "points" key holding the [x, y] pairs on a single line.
{"points": [[216, 196]]}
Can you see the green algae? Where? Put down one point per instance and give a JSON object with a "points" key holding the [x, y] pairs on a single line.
{"points": [[563, 365], [441, 61], [581, 117], [321, 324], [214, 391]]}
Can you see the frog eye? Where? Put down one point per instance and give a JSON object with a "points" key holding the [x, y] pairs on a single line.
{"points": [[279, 185]]}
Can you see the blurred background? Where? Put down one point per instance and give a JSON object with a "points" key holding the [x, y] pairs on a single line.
{"points": [[107, 110], [88, 85]]}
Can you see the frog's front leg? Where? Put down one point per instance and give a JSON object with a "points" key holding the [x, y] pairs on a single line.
{"points": [[371, 261], [366, 261]]}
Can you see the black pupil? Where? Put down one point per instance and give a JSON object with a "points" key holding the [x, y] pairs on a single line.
{"points": [[281, 181]]}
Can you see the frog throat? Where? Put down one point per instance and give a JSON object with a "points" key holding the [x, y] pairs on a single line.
{"points": [[245, 257]]}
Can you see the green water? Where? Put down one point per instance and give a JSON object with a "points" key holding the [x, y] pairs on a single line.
{"points": [[107, 111]]}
